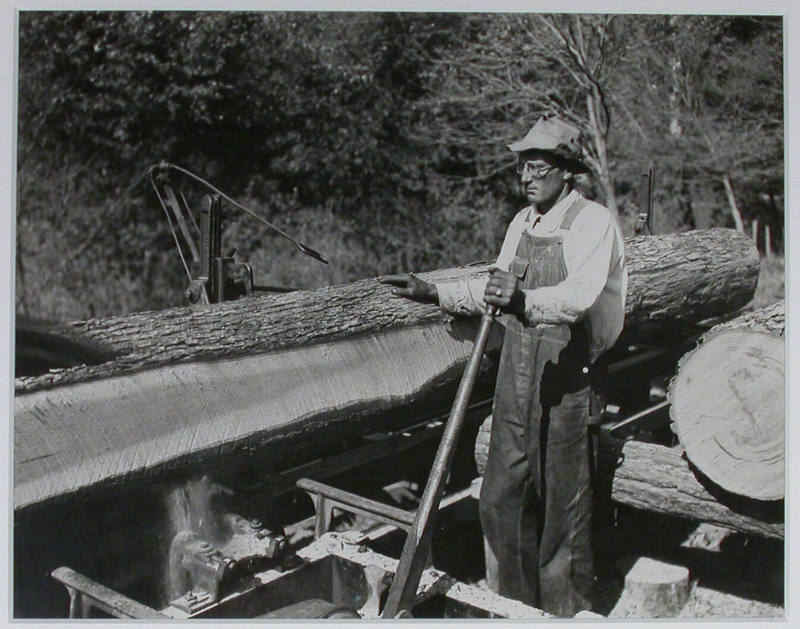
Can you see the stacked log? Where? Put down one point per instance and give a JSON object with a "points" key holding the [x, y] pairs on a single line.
{"points": [[727, 404], [659, 479], [740, 385], [269, 377]]}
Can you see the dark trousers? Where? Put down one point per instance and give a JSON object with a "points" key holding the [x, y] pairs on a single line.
{"points": [[535, 503]]}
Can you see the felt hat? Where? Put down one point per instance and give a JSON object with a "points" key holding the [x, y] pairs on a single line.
{"points": [[553, 135]]}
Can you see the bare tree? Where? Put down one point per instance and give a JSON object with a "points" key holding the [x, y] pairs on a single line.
{"points": [[496, 84], [717, 88]]}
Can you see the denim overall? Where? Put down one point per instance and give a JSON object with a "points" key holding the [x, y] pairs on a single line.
{"points": [[535, 503]]}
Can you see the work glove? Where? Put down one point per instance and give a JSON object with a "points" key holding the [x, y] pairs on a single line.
{"points": [[409, 285]]}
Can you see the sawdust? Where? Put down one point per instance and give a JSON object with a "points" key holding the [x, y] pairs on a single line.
{"points": [[708, 603]]}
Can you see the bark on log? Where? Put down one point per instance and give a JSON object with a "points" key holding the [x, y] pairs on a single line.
{"points": [[253, 378], [674, 281], [653, 589], [659, 479], [770, 319], [656, 478], [735, 436]]}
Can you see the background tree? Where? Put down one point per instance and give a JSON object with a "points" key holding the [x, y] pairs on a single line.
{"points": [[379, 138], [731, 99], [510, 69], [704, 101]]}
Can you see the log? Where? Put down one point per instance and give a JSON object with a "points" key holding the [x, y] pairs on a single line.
{"points": [[655, 478], [653, 589], [269, 379], [735, 435], [658, 479], [674, 281]]}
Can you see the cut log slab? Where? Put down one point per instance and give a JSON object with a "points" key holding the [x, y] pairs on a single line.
{"points": [[727, 404], [267, 408], [189, 385], [655, 478]]}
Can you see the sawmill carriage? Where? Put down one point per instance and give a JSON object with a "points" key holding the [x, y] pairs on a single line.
{"points": [[174, 464]]}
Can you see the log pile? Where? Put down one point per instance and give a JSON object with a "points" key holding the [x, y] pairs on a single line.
{"points": [[261, 377], [728, 411], [740, 384]]}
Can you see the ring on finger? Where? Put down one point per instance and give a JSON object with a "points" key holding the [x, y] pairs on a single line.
{"points": [[499, 292]]}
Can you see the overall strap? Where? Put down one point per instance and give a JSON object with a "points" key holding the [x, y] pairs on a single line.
{"points": [[573, 211]]}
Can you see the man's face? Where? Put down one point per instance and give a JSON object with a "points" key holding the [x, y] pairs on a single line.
{"points": [[542, 177]]}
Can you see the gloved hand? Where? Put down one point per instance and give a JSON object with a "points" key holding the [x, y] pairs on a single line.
{"points": [[409, 285]]}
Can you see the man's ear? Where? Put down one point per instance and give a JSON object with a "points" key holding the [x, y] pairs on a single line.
{"points": [[567, 175]]}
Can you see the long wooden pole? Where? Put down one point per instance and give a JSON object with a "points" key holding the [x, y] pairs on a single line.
{"points": [[418, 542]]}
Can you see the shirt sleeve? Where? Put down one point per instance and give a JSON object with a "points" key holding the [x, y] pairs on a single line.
{"points": [[465, 297], [588, 253]]}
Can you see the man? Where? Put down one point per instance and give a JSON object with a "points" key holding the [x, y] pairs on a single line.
{"points": [[560, 282]]}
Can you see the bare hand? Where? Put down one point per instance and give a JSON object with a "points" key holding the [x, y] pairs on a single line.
{"points": [[503, 291], [409, 285]]}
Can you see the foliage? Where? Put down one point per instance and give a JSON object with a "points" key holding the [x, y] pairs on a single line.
{"points": [[704, 102], [378, 138]]}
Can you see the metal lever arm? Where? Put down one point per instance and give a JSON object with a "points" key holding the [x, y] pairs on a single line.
{"points": [[418, 542], [301, 246]]}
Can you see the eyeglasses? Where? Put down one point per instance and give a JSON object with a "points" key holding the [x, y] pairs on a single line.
{"points": [[537, 172]]}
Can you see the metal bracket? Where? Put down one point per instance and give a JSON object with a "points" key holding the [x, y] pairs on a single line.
{"points": [[199, 570], [645, 222]]}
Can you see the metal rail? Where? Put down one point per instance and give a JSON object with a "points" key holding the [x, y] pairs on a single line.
{"points": [[637, 418], [84, 593], [327, 498]]}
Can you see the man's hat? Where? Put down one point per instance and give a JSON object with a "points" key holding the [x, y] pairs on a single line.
{"points": [[553, 135]]}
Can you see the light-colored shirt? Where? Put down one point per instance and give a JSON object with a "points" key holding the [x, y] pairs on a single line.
{"points": [[596, 283]]}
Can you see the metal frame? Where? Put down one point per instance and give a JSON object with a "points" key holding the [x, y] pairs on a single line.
{"points": [[84, 594]]}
